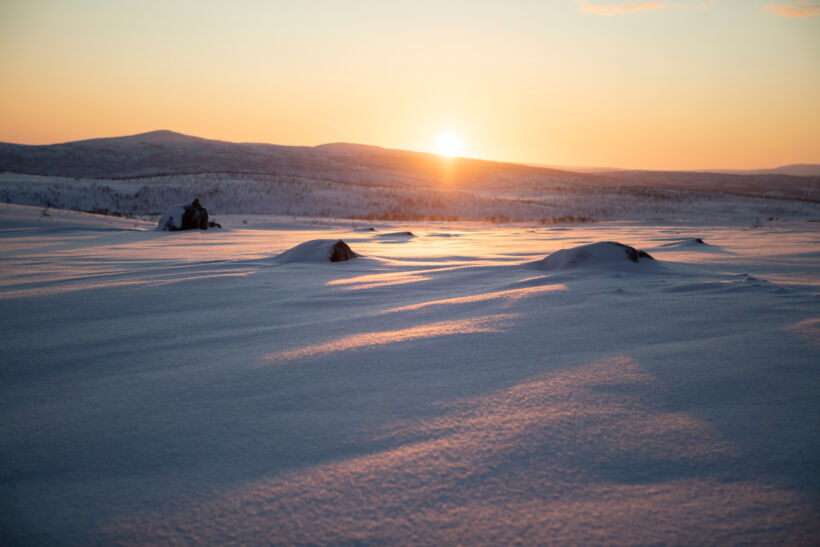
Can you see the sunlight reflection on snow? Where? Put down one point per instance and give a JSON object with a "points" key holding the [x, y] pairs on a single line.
{"points": [[509, 295], [85, 285], [808, 330], [368, 281], [487, 323], [371, 281]]}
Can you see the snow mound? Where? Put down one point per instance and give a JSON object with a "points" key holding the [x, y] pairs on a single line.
{"points": [[319, 250], [601, 255], [394, 235], [694, 243]]}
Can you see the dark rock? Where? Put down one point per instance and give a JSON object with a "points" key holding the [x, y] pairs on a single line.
{"points": [[341, 252], [632, 253], [192, 216], [318, 251]]}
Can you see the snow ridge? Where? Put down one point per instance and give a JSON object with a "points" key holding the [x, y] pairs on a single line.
{"points": [[602, 255]]}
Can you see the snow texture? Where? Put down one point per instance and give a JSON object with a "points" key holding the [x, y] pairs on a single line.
{"points": [[193, 390]]}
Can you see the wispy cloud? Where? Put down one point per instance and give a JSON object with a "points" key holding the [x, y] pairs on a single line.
{"points": [[795, 9], [594, 8]]}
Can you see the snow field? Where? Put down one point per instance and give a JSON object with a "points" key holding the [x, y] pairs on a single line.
{"points": [[443, 388]]}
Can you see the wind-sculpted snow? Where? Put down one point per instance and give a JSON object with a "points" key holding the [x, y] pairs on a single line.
{"points": [[529, 464], [397, 235], [191, 389], [809, 330], [491, 323], [693, 245], [604, 255], [509, 295]]}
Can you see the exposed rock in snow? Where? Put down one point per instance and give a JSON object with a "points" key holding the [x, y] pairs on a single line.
{"points": [[341, 252], [319, 250], [693, 244], [603, 255], [191, 216], [398, 235]]}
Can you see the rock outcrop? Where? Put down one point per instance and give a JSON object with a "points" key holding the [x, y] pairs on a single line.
{"points": [[192, 216], [319, 250]]}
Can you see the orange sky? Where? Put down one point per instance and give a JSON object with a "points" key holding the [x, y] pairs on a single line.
{"points": [[720, 84]]}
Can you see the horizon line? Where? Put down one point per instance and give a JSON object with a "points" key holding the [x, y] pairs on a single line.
{"points": [[535, 164]]}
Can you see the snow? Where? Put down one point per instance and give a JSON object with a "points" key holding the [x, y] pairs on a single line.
{"points": [[398, 235], [318, 250], [607, 255], [371, 194], [193, 388], [171, 219]]}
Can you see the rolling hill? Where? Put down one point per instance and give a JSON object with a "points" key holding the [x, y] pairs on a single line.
{"points": [[142, 174]]}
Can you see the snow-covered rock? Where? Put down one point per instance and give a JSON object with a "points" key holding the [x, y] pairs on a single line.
{"points": [[192, 216], [398, 235], [601, 255], [319, 250]]}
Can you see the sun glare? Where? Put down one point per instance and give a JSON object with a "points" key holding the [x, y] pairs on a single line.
{"points": [[447, 144]]}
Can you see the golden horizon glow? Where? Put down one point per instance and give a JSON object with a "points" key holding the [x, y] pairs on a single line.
{"points": [[690, 85], [448, 144]]}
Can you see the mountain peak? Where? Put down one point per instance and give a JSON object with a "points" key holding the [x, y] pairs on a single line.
{"points": [[160, 136], [163, 136]]}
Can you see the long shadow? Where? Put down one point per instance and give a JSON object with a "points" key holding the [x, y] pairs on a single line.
{"points": [[157, 384]]}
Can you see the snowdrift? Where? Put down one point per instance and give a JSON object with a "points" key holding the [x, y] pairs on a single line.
{"points": [[398, 235], [604, 255], [319, 250], [694, 244]]}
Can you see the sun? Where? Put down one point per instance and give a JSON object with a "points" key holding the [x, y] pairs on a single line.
{"points": [[448, 144]]}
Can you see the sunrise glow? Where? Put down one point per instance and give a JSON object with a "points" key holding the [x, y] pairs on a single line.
{"points": [[658, 85], [448, 144]]}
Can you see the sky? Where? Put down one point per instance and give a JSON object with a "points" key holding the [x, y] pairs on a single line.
{"points": [[648, 84]]}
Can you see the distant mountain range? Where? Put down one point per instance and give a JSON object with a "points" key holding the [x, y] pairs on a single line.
{"points": [[795, 170], [166, 152], [169, 153]]}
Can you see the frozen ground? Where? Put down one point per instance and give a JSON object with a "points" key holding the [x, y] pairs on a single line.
{"points": [[448, 386]]}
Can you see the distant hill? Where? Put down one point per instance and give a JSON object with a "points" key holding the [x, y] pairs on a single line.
{"points": [[774, 185], [169, 153], [166, 152], [795, 170]]}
